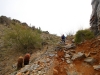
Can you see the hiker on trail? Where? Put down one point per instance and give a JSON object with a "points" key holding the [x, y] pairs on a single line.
{"points": [[63, 38]]}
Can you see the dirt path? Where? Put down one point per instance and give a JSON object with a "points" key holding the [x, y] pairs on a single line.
{"points": [[66, 60], [41, 63]]}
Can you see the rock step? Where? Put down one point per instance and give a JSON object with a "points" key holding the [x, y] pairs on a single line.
{"points": [[40, 66]]}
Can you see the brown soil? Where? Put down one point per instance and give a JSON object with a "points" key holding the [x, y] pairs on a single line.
{"points": [[91, 48], [59, 64]]}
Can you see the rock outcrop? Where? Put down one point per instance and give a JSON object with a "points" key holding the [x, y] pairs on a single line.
{"points": [[95, 17]]}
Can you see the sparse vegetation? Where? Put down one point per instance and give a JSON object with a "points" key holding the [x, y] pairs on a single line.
{"points": [[22, 37], [83, 35], [17, 39]]}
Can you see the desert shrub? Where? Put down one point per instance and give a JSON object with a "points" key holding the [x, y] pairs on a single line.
{"points": [[83, 35], [23, 37], [39, 30]]}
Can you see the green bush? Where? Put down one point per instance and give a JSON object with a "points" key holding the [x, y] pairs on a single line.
{"points": [[83, 35], [23, 37]]}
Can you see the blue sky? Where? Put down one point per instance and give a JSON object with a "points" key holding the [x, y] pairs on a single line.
{"points": [[56, 16]]}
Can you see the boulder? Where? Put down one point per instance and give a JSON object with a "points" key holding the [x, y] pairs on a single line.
{"points": [[14, 73], [25, 69], [95, 16], [78, 55], [90, 60], [67, 56], [96, 67], [68, 61], [51, 54]]}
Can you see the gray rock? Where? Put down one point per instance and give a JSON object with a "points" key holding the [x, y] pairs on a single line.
{"points": [[67, 56], [35, 66], [51, 54], [14, 66], [57, 48], [14, 73], [69, 46], [96, 67], [73, 40], [90, 60], [68, 61], [25, 69], [62, 59], [78, 55], [95, 16], [32, 67], [44, 61]]}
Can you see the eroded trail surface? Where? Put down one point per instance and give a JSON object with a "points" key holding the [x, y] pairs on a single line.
{"points": [[41, 65], [82, 60], [66, 59]]}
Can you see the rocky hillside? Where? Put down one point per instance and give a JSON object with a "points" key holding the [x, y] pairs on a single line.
{"points": [[53, 57], [68, 59], [9, 53]]}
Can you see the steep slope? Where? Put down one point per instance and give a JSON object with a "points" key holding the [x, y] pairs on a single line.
{"points": [[9, 55], [69, 60]]}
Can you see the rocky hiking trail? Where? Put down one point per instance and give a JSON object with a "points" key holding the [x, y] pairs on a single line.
{"points": [[40, 63], [67, 59]]}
